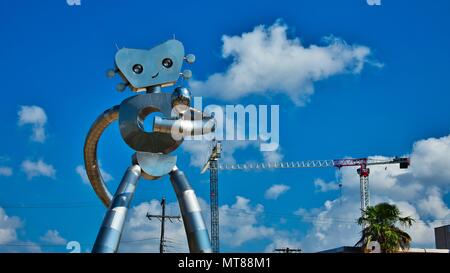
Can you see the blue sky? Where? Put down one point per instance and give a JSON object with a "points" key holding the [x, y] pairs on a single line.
{"points": [[54, 56]]}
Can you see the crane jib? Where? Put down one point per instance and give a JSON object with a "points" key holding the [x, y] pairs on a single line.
{"points": [[338, 163]]}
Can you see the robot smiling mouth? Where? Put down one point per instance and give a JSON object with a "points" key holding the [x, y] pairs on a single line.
{"points": [[156, 75]]}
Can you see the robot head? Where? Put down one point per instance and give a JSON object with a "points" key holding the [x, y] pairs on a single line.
{"points": [[159, 66]]}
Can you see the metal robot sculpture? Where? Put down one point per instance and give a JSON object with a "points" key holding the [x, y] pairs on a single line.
{"points": [[149, 71]]}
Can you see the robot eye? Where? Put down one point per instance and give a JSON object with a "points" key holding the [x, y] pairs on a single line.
{"points": [[167, 63], [137, 68]]}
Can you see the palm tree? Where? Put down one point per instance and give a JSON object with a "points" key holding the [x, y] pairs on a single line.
{"points": [[380, 224]]}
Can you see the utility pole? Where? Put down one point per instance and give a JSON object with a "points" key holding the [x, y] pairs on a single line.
{"points": [[162, 218], [288, 250]]}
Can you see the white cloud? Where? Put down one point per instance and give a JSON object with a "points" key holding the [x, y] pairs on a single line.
{"points": [[200, 150], [6, 171], [9, 241], [142, 234], [37, 168], [53, 237], [433, 205], [272, 157], [239, 223], [324, 186], [422, 231], [283, 239], [8, 227], [431, 160], [36, 117], [266, 61], [20, 247], [333, 226], [275, 191], [81, 171]]}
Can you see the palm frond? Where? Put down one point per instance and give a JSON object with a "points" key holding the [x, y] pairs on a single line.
{"points": [[380, 223]]}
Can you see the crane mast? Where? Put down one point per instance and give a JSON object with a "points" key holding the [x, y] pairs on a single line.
{"points": [[363, 173], [212, 164], [214, 206]]}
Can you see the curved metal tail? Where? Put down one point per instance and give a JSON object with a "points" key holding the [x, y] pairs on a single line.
{"points": [[90, 153]]}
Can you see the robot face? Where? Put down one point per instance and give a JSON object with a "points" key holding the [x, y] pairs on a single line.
{"points": [[160, 65]]}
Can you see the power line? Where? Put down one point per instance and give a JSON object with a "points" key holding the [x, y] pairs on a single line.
{"points": [[64, 244], [238, 212], [315, 219], [56, 205]]}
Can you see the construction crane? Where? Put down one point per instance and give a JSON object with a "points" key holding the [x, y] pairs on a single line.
{"points": [[363, 172], [212, 165]]}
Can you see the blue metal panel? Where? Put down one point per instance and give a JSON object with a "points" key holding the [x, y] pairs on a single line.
{"points": [[153, 71]]}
